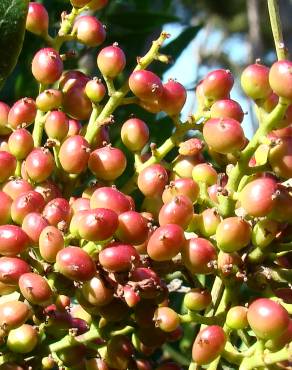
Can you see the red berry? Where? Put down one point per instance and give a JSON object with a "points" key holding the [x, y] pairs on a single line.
{"points": [[74, 154], [280, 78], [257, 196], [25, 203], [145, 85], [107, 163], [13, 314], [11, 268], [39, 164], [111, 61], [33, 224], [74, 127], [132, 228], [152, 180], [166, 242], [22, 113], [255, 81], [35, 289], [89, 31], [209, 344], [57, 125], [198, 255], [134, 134], [186, 187], [280, 157], [16, 187], [227, 108], [51, 241], [233, 234], [118, 257], [173, 97], [7, 165], [75, 102], [37, 20], [47, 66], [217, 84], [96, 291], [5, 204], [20, 143], [224, 135], [268, 319], [166, 319], [111, 198], [57, 210], [75, 264], [178, 211]]}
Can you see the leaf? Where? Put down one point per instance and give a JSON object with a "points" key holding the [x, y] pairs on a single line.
{"points": [[12, 29], [178, 45]]}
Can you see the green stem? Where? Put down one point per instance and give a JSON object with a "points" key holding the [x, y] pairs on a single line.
{"points": [[199, 319], [38, 128], [277, 29], [176, 356]]}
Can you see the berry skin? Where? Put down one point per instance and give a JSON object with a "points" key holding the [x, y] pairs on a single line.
{"points": [[89, 31], [37, 20], [173, 97], [20, 143], [255, 81], [178, 211], [23, 112], [134, 134], [118, 257], [111, 198], [47, 66], [145, 85], [74, 154], [233, 234], [95, 90], [224, 135], [197, 299], [268, 319], [227, 108], [217, 84], [236, 318], [280, 78], [57, 125], [280, 157], [204, 172], [152, 180], [166, 319], [107, 163], [209, 343], [39, 164], [7, 165], [35, 289], [111, 61], [22, 339], [49, 99]]}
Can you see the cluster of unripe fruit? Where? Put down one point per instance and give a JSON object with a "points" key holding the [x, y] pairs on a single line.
{"points": [[87, 271]]}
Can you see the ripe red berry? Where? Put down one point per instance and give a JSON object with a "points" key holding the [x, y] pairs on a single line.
{"points": [[233, 234], [166, 242], [57, 125], [5, 202], [37, 20], [111, 61], [280, 78], [74, 127], [20, 143], [49, 99], [75, 264], [173, 97], [96, 291], [75, 102], [134, 134], [111, 198], [255, 81], [224, 135], [57, 210], [22, 113], [11, 268], [145, 85], [39, 164], [166, 319], [217, 84], [227, 108], [107, 163], [7, 165], [186, 187], [178, 211], [118, 257], [16, 187], [209, 344], [132, 228], [257, 196], [51, 241], [267, 318], [35, 289], [74, 154], [152, 180], [33, 224], [13, 314], [25, 203], [95, 90], [47, 66], [198, 255], [89, 31]]}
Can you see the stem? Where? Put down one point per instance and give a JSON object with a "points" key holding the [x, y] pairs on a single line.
{"points": [[277, 29], [176, 356], [116, 99], [38, 128], [199, 319]]}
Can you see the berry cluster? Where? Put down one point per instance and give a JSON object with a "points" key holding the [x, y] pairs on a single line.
{"points": [[92, 276]]}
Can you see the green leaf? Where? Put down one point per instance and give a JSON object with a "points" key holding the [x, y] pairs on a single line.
{"points": [[12, 29], [178, 45]]}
